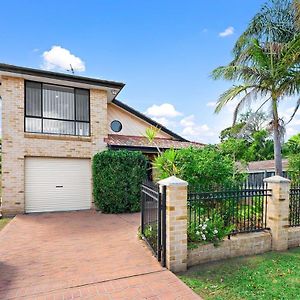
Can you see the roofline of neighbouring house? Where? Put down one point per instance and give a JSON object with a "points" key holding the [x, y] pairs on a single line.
{"points": [[60, 76], [148, 120]]}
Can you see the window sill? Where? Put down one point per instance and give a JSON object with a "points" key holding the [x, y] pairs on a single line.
{"points": [[57, 137]]}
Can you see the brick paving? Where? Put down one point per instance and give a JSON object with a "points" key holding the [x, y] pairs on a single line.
{"points": [[81, 255]]}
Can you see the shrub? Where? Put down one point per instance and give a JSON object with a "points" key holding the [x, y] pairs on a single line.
{"points": [[209, 230], [294, 168], [206, 167], [117, 177]]}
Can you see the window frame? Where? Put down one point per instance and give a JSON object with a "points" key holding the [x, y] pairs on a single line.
{"points": [[42, 118], [117, 121]]}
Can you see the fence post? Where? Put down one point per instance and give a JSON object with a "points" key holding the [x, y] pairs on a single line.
{"points": [[176, 223], [278, 211]]}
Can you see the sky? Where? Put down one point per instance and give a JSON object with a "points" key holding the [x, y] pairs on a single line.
{"points": [[163, 50]]}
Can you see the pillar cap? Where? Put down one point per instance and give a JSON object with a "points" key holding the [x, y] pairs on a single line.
{"points": [[276, 179], [173, 181]]}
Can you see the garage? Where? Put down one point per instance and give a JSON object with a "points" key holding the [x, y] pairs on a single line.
{"points": [[57, 184]]}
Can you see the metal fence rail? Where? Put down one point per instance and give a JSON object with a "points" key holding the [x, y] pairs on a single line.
{"points": [[245, 209], [153, 218], [294, 217]]}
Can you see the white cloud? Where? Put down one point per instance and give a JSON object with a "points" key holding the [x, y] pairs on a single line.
{"points": [[61, 58], [290, 131], [211, 104], [188, 121], [188, 126], [165, 110], [195, 132], [198, 132], [227, 32], [163, 121], [295, 122]]}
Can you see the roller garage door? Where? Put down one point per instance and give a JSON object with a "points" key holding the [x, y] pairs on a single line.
{"points": [[57, 184]]}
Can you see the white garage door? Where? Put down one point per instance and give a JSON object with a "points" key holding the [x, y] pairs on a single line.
{"points": [[57, 184]]}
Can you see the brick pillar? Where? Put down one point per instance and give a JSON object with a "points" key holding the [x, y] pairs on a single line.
{"points": [[176, 223], [278, 211]]}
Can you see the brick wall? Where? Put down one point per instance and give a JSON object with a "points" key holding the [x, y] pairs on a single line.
{"points": [[16, 144], [239, 245], [294, 237]]}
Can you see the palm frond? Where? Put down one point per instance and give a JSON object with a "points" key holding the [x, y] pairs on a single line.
{"points": [[250, 97], [250, 74], [231, 94], [294, 112], [277, 21]]}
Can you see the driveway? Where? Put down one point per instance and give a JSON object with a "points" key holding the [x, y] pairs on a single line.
{"points": [[81, 255]]}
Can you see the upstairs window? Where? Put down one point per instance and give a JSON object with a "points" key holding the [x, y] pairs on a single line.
{"points": [[56, 109]]}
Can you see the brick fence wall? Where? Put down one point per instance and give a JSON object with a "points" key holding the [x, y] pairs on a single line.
{"points": [[239, 245], [294, 237], [280, 236]]}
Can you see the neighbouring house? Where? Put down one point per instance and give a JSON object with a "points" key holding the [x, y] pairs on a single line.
{"points": [[259, 170], [52, 125]]}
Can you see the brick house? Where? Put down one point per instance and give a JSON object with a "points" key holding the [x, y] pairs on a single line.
{"points": [[52, 125]]}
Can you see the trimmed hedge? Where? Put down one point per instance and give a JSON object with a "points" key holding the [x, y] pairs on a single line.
{"points": [[117, 178]]}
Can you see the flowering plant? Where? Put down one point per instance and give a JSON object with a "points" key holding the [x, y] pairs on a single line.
{"points": [[209, 230]]}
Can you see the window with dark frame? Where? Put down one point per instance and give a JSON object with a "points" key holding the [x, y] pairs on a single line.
{"points": [[116, 126], [55, 109]]}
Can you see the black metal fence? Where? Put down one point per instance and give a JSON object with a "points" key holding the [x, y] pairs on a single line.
{"points": [[294, 217], [242, 208], [257, 178], [153, 218]]}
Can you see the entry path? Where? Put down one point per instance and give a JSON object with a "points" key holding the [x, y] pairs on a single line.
{"points": [[81, 255]]}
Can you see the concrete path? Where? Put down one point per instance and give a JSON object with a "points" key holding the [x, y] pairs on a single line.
{"points": [[81, 255]]}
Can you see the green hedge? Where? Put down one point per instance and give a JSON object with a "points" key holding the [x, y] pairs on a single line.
{"points": [[117, 177]]}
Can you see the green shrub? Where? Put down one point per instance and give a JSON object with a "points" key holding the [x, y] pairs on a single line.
{"points": [[294, 168], [117, 177], [207, 167], [209, 230]]}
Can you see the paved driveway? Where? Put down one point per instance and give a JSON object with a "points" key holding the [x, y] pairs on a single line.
{"points": [[83, 255]]}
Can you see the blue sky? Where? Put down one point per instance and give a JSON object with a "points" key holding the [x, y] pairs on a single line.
{"points": [[163, 50]]}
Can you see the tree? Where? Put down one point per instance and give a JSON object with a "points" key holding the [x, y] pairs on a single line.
{"points": [[258, 147], [235, 148], [266, 66], [292, 146], [261, 147], [294, 168], [248, 123]]}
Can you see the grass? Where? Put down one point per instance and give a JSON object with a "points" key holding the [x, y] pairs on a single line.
{"points": [[3, 222], [273, 275]]}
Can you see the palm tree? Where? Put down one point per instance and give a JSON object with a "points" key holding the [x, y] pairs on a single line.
{"points": [[266, 67]]}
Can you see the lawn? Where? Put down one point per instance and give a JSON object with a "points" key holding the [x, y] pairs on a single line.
{"points": [[3, 222], [268, 276]]}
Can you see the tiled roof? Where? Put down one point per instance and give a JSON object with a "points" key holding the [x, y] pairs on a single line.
{"points": [[116, 140], [268, 165]]}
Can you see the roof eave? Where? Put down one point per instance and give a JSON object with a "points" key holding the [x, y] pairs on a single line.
{"points": [[148, 120], [61, 76]]}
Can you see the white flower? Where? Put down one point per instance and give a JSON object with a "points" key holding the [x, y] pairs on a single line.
{"points": [[203, 237], [204, 226], [197, 232], [215, 231], [207, 219]]}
